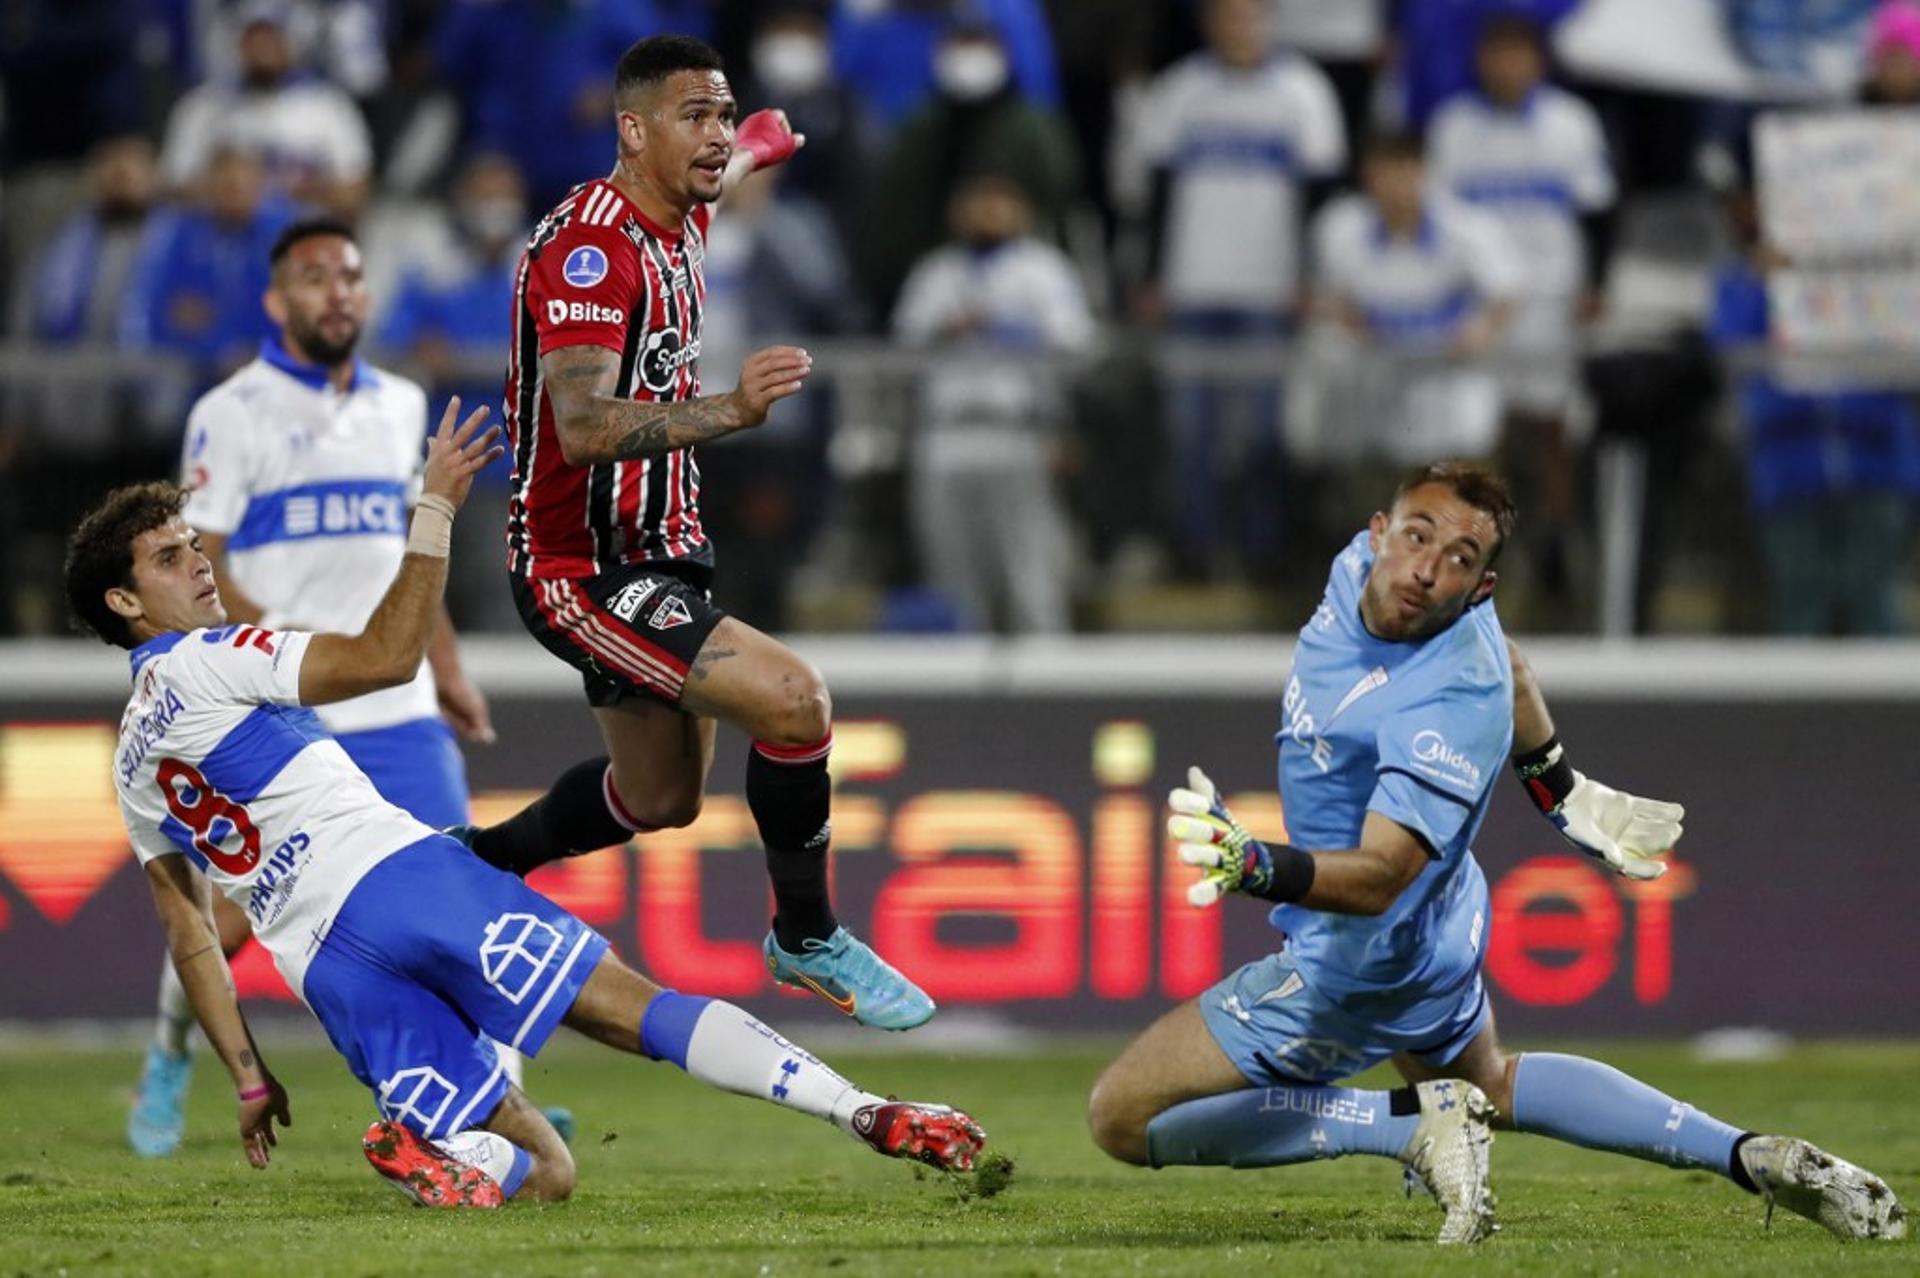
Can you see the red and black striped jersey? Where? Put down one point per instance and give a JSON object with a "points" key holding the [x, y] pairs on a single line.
{"points": [[597, 272]]}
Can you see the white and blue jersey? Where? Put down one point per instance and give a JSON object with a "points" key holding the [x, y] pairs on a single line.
{"points": [[219, 762], [415, 954], [311, 487], [1417, 732], [1536, 169], [1238, 146]]}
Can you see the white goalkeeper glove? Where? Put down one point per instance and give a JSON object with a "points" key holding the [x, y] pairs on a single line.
{"points": [[1622, 831], [1208, 836]]}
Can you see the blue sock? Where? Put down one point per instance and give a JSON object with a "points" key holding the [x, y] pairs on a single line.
{"points": [[1584, 1102], [1272, 1126], [666, 1028]]}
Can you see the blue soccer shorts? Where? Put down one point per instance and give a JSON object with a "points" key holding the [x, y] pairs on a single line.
{"points": [[1278, 1030], [434, 955], [416, 766]]}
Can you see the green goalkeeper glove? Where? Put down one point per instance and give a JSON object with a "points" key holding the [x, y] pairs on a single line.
{"points": [[1209, 837]]}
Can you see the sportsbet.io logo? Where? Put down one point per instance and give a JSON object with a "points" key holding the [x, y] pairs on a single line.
{"points": [[663, 358]]}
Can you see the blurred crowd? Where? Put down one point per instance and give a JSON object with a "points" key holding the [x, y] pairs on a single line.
{"points": [[1128, 310]]}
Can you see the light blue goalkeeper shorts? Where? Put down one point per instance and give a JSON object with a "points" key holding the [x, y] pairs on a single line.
{"points": [[1278, 1030]]}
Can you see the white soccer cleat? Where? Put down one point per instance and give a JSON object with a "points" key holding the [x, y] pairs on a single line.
{"points": [[1849, 1201], [1448, 1157]]}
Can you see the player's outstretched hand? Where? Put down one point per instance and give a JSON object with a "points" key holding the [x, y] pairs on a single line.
{"points": [[1622, 831], [256, 1121], [1209, 837], [456, 454], [768, 377]]}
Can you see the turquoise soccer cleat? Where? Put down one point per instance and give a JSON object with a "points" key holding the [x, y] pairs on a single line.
{"points": [[158, 1118], [847, 973]]}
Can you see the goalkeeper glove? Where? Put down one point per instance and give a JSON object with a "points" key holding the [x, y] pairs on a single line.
{"points": [[768, 136], [1231, 858], [1622, 831]]}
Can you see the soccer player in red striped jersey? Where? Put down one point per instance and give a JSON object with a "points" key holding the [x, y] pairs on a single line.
{"points": [[609, 562]]}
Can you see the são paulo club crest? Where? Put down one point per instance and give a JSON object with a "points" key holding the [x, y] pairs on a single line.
{"points": [[584, 267]]}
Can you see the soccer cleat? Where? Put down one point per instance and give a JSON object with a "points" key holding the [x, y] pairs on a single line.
{"points": [[562, 1119], [158, 1118], [1447, 1157], [1849, 1201], [936, 1135], [848, 974], [424, 1173]]}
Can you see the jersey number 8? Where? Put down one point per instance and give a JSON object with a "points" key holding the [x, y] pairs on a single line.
{"points": [[206, 807]]}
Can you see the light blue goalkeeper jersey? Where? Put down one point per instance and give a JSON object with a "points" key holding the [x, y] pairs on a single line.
{"points": [[1417, 732]]}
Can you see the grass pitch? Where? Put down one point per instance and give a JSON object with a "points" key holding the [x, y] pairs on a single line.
{"points": [[677, 1179]]}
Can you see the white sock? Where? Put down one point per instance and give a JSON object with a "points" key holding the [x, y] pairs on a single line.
{"points": [[173, 1026], [723, 1047], [513, 1063], [502, 1160]]}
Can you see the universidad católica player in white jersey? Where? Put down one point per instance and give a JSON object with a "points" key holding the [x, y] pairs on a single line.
{"points": [[415, 955], [1405, 700], [303, 465]]}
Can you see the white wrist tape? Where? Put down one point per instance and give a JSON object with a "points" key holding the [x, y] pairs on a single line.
{"points": [[431, 532]]}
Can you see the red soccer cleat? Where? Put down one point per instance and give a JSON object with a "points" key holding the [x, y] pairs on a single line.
{"points": [[932, 1134], [423, 1173]]}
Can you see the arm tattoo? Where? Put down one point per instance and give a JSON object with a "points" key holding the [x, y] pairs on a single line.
{"points": [[601, 427], [246, 1058]]}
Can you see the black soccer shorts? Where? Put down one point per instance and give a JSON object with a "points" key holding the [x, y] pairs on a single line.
{"points": [[632, 631]]}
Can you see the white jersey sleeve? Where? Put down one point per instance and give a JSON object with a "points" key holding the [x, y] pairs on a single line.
{"points": [[218, 464], [1491, 260], [414, 432], [931, 298], [249, 665], [1063, 313], [1589, 170], [1320, 134]]}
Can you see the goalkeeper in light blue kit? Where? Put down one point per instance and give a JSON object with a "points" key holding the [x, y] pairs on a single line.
{"points": [[1405, 701]]}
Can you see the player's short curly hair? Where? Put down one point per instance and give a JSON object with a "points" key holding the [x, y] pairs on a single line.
{"points": [[100, 553], [1476, 485]]}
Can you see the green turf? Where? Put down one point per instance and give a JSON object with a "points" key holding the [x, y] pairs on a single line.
{"points": [[675, 1179]]}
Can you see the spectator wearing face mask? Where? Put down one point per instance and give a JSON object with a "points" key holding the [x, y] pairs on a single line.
{"points": [[976, 123], [790, 66], [307, 133], [988, 521], [452, 316], [889, 50]]}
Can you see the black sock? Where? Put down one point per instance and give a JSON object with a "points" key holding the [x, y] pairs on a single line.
{"points": [[1403, 1102], [791, 803], [567, 820], [1737, 1170]]}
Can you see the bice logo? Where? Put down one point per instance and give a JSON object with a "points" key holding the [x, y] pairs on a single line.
{"points": [[584, 267], [314, 514], [559, 312], [1431, 749]]}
